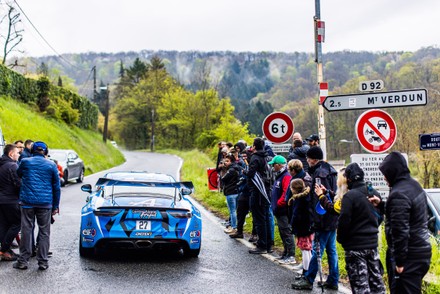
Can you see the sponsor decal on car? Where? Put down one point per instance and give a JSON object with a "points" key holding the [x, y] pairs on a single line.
{"points": [[194, 241], [145, 213], [85, 239], [143, 234], [89, 232], [193, 234]]}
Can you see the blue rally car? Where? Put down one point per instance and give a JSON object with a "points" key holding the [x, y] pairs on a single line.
{"points": [[137, 214]]}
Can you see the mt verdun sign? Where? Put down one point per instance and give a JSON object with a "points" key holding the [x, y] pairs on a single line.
{"points": [[376, 100]]}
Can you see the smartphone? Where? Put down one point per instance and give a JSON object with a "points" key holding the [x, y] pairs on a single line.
{"points": [[318, 181]]}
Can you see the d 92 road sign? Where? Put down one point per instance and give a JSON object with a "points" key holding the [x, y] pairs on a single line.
{"points": [[278, 127]]}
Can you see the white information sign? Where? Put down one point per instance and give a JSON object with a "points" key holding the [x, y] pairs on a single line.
{"points": [[280, 148], [370, 164]]}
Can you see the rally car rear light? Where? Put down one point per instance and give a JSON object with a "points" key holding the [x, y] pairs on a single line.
{"points": [[180, 214], [107, 212]]}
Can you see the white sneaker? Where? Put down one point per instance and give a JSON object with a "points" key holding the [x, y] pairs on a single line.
{"points": [[230, 230], [288, 260], [298, 267]]}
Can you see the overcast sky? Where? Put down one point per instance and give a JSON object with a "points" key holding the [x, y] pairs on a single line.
{"points": [[236, 25]]}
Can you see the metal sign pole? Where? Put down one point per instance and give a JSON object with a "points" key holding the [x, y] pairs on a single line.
{"points": [[318, 60]]}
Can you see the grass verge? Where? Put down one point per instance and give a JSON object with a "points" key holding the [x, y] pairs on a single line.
{"points": [[18, 122]]}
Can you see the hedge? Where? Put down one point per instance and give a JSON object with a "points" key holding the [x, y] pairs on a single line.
{"points": [[51, 100]]}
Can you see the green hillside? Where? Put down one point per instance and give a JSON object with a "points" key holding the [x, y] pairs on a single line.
{"points": [[19, 122]]}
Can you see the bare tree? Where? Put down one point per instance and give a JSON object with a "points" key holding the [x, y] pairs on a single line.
{"points": [[12, 36]]}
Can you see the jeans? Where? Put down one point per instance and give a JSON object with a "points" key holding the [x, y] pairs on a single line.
{"points": [[28, 216], [9, 224], [232, 206], [325, 240], [272, 224]]}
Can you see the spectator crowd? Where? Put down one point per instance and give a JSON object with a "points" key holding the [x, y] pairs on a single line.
{"points": [[314, 206], [29, 198]]}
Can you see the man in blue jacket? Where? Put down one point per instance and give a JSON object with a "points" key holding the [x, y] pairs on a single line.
{"points": [[39, 199]]}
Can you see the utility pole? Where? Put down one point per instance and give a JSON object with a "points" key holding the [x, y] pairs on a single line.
{"points": [[107, 109], [152, 131], [94, 85], [318, 59]]}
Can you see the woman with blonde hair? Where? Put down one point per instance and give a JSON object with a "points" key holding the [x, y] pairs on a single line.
{"points": [[342, 189]]}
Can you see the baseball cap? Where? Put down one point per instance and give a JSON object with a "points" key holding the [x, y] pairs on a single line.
{"points": [[39, 146], [279, 159], [313, 137]]}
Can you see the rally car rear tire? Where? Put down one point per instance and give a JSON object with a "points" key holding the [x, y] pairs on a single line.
{"points": [[85, 252]]}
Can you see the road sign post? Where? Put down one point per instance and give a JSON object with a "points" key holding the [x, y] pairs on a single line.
{"points": [[278, 127], [376, 131], [376, 100]]}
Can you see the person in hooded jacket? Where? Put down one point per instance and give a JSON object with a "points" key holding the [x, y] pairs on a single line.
{"points": [[299, 151], [406, 227], [9, 208], [230, 189], [358, 229]]}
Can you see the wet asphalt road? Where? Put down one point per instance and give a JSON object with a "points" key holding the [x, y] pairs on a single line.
{"points": [[224, 265]]}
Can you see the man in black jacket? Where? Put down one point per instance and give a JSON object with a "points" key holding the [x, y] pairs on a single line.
{"points": [[406, 227], [358, 234], [9, 208], [260, 205]]}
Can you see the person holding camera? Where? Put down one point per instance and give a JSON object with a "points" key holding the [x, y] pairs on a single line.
{"points": [[39, 199]]}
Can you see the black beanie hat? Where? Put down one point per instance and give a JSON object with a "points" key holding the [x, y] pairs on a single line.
{"points": [[315, 152], [354, 172]]}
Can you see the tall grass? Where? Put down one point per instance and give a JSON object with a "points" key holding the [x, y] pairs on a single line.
{"points": [[18, 122]]}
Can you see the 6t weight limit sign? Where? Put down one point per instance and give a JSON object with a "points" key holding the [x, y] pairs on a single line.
{"points": [[278, 127]]}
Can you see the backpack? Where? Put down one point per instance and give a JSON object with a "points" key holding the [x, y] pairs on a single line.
{"points": [[268, 176]]}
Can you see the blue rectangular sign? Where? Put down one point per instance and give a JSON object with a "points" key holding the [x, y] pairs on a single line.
{"points": [[429, 141]]}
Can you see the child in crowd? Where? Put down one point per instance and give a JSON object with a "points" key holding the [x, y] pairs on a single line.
{"points": [[301, 220]]}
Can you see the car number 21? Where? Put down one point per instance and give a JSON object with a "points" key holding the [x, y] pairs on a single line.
{"points": [[143, 225]]}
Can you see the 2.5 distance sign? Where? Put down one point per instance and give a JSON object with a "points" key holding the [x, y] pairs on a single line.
{"points": [[278, 127], [376, 100]]}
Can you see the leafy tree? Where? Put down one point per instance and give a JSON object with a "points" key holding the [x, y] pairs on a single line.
{"points": [[43, 70], [137, 71], [60, 82], [121, 70]]}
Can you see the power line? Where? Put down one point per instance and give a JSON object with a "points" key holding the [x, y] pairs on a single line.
{"points": [[44, 39]]}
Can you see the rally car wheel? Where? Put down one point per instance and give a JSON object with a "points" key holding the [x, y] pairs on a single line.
{"points": [[192, 252], [85, 252]]}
